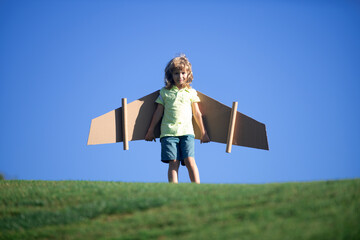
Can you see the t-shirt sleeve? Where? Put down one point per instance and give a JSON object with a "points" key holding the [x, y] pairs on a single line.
{"points": [[160, 99], [194, 96]]}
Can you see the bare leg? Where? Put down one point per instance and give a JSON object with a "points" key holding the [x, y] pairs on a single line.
{"points": [[173, 171], [193, 169]]}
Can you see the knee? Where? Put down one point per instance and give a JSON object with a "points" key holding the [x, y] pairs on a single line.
{"points": [[174, 165], [190, 162]]}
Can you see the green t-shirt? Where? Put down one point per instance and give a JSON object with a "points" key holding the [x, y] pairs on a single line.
{"points": [[177, 118]]}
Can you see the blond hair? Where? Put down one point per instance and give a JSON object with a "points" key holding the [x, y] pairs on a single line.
{"points": [[178, 63]]}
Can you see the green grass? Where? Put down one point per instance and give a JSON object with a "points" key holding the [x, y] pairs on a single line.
{"points": [[115, 210]]}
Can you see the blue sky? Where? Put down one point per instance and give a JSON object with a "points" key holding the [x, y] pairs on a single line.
{"points": [[293, 65]]}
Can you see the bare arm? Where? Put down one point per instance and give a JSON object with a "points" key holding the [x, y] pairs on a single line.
{"points": [[198, 118], [155, 120]]}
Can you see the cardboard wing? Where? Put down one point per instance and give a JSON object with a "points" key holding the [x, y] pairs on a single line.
{"points": [[108, 128], [220, 122]]}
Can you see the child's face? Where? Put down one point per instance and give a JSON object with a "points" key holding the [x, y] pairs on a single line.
{"points": [[180, 77]]}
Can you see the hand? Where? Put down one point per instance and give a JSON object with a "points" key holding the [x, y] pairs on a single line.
{"points": [[150, 136], [205, 138]]}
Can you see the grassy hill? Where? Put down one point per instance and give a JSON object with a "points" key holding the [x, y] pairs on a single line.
{"points": [[115, 210]]}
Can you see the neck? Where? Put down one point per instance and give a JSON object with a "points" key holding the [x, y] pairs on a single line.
{"points": [[180, 86]]}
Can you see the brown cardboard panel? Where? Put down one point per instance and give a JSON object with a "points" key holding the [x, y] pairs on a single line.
{"points": [[216, 116], [103, 129], [107, 128], [250, 133], [140, 113]]}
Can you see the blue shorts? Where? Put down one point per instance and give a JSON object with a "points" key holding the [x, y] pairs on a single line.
{"points": [[177, 148]]}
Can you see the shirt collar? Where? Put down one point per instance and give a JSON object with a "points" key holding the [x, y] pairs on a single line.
{"points": [[175, 88]]}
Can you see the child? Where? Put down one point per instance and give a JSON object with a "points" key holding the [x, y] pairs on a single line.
{"points": [[177, 103]]}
